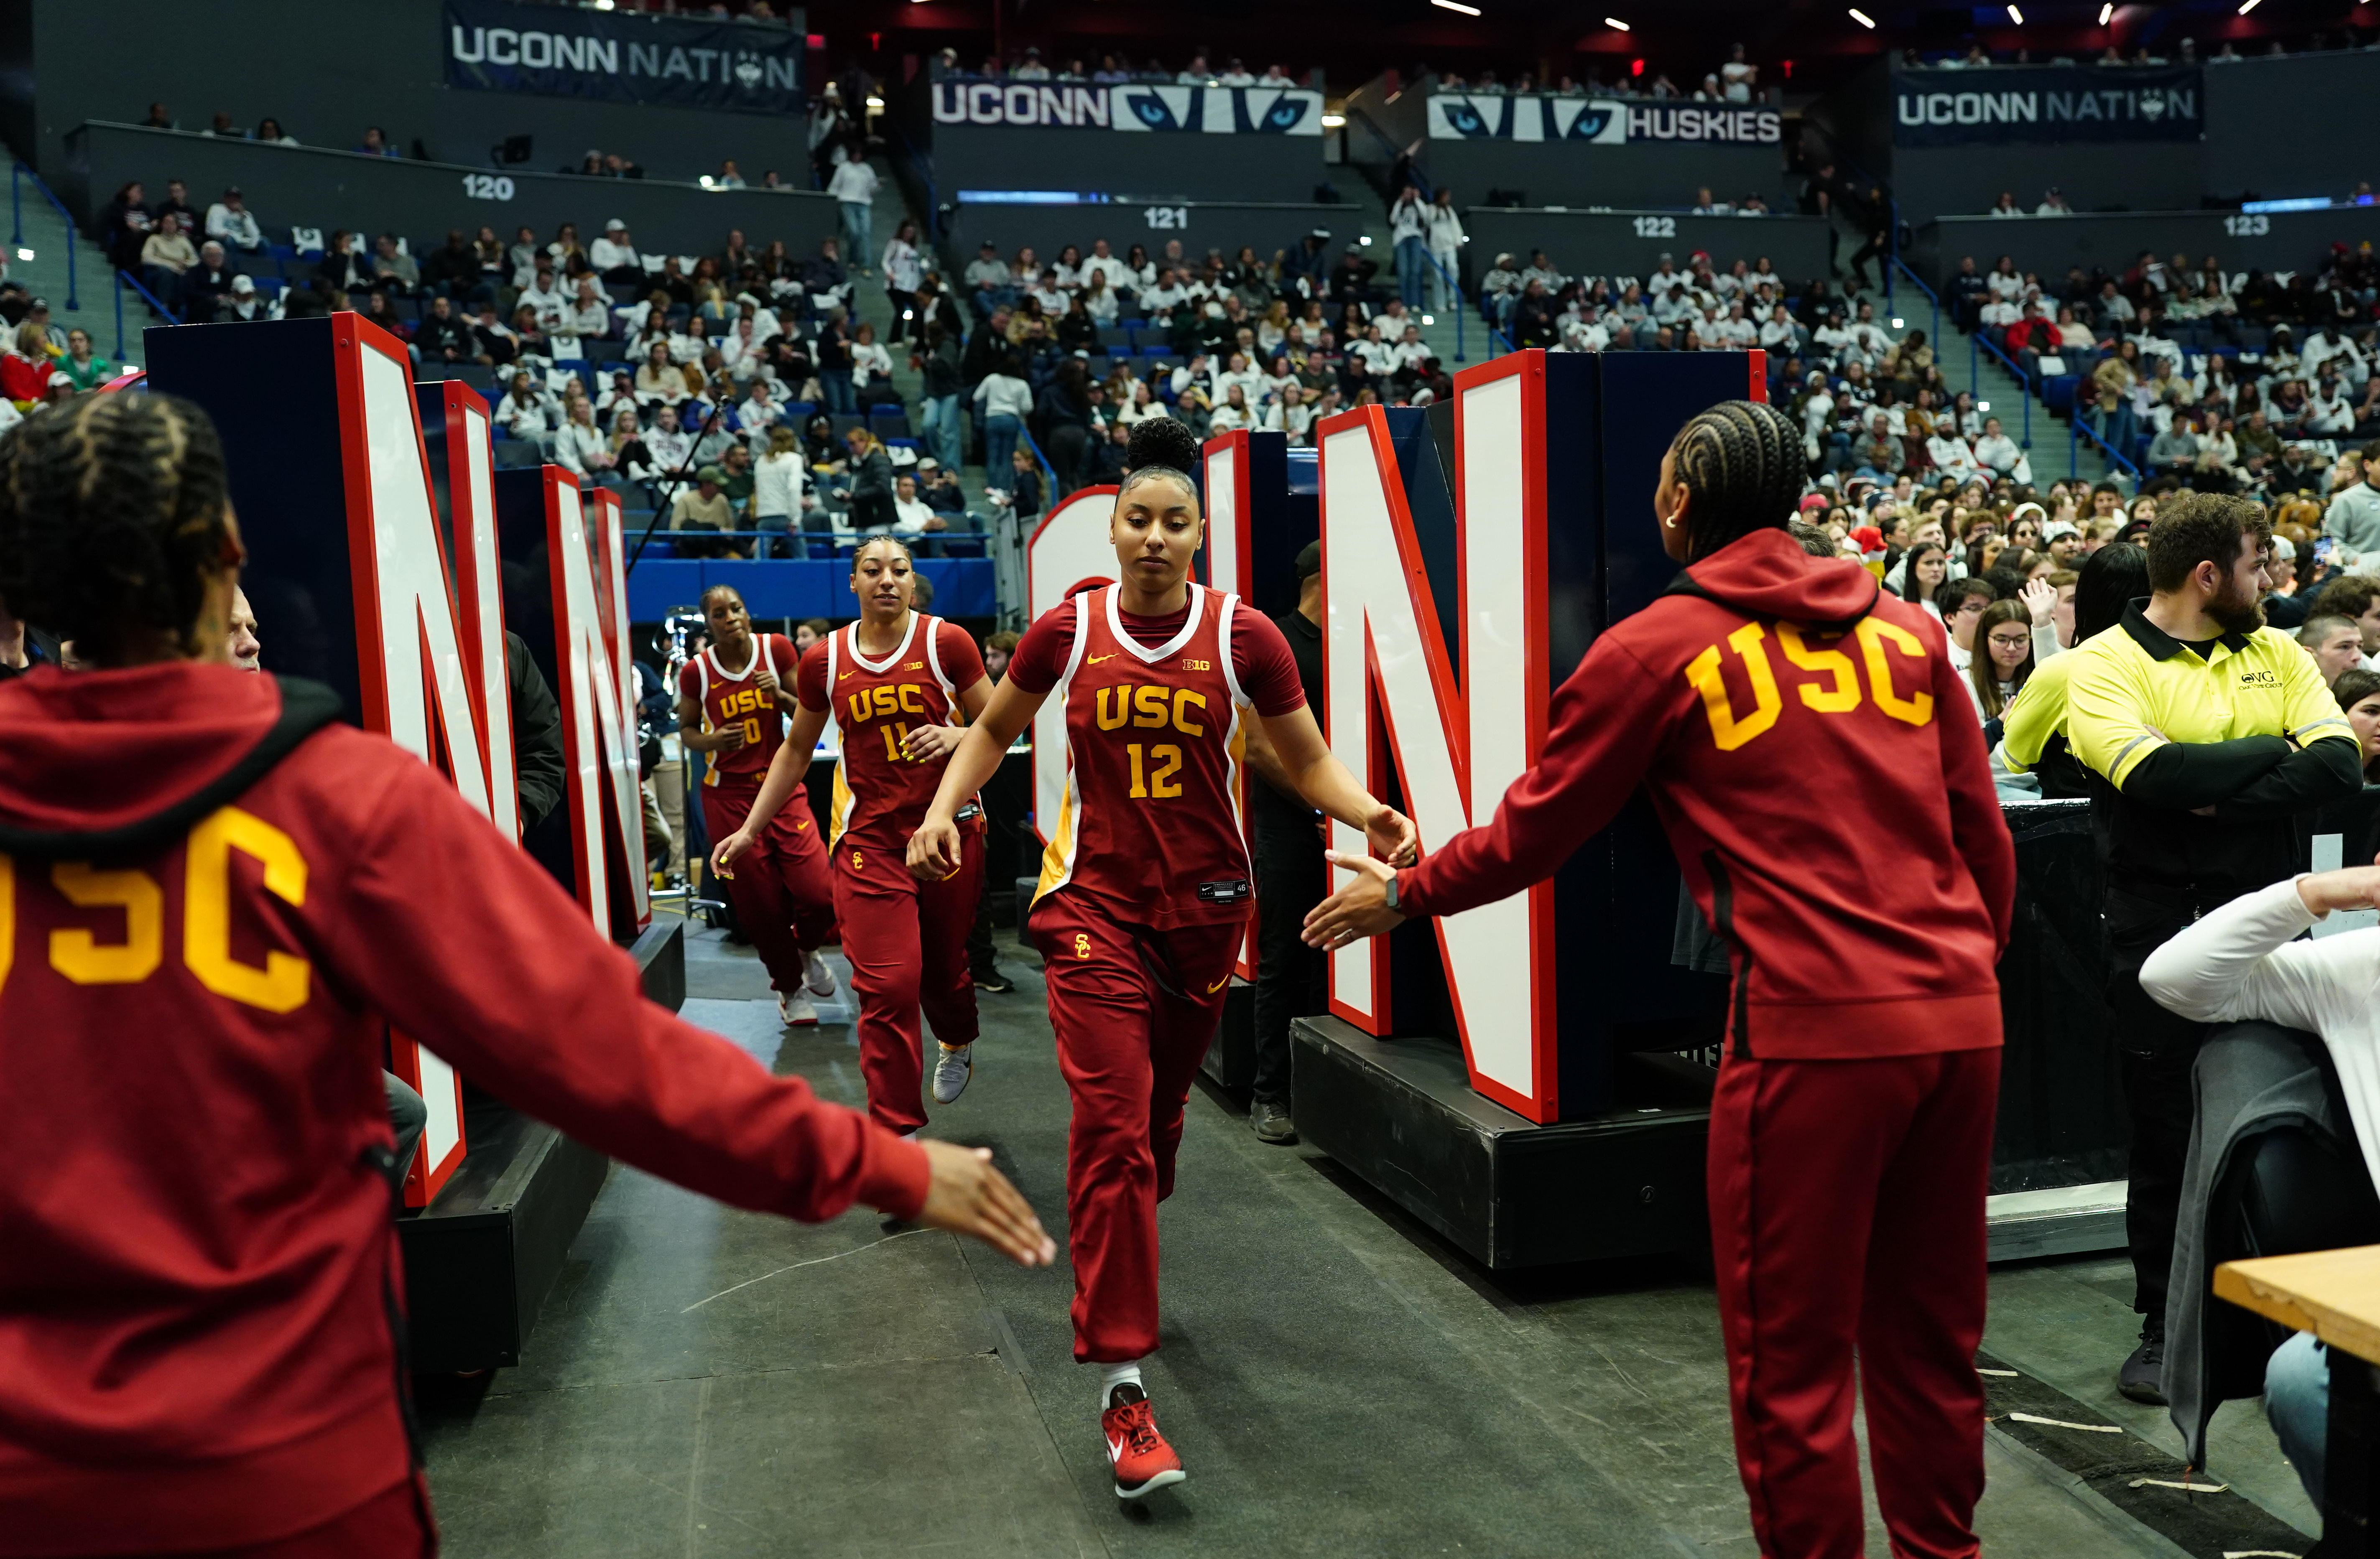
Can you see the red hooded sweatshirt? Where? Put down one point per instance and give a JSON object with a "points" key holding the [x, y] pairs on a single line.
{"points": [[1822, 781], [210, 902]]}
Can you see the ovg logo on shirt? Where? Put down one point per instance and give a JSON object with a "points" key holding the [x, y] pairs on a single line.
{"points": [[2258, 678]]}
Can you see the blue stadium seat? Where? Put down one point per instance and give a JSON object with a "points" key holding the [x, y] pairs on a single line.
{"points": [[2058, 394], [1116, 335], [844, 423]]}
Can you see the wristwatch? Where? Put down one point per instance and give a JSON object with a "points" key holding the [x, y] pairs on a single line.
{"points": [[1391, 900]]}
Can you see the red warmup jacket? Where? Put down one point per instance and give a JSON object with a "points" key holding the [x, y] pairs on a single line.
{"points": [[210, 902], [1822, 781]]}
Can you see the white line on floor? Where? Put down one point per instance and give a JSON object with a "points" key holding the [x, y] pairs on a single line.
{"points": [[814, 1261], [2054, 1423]]}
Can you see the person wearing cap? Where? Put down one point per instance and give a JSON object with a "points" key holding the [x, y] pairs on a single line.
{"points": [[242, 302], [206, 281], [1290, 878], [613, 256], [705, 508], [232, 224]]}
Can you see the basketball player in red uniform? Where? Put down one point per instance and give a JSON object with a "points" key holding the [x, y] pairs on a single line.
{"points": [[735, 716], [894, 682], [1144, 894]]}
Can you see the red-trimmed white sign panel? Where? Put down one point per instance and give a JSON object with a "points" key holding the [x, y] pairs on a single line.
{"points": [[1455, 743]]}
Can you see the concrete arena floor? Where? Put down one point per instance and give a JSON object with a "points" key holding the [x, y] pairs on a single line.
{"points": [[711, 1382]]}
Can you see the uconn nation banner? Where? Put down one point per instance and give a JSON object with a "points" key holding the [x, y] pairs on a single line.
{"points": [[560, 51], [1245, 111], [1597, 121], [2010, 104]]}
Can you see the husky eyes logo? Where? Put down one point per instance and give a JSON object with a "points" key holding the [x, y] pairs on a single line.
{"points": [[749, 71], [1590, 124], [1152, 111], [1465, 120], [2153, 106], [1279, 117]]}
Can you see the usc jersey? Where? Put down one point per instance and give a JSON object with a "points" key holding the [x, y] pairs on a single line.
{"points": [[729, 698], [879, 794], [1150, 819]]}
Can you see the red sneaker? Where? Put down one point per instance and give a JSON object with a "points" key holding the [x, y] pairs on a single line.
{"points": [[1143, 1460]]}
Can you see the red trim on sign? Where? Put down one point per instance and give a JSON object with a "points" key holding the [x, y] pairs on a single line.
{"points": [[1759, 390]]}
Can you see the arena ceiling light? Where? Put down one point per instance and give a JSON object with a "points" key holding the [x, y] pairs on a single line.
{"points": [[1863, 18], [2107, 12], [2016, 16], [1615, 24], [1334, 121], [2246, 6], [1456, 6]]}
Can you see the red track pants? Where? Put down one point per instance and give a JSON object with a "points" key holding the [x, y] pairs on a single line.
{"points": [[1847, 1212], [395, 1524], [784, 902], [1134, 1009], [907, 941]]}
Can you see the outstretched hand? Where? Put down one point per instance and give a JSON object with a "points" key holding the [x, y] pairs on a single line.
{"points": [[1359, 910], [968, 1196], [1392, 837]]}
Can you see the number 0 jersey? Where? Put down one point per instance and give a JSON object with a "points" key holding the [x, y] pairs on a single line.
{"points": [[1151, 820], [880, 795], [729, 698]]}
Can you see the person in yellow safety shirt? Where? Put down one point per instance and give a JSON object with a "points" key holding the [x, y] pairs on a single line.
{"points": [[2032, 731], [2206, 735]]}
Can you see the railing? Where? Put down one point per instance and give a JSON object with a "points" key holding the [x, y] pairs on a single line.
{"points": [[1050, 493], [2023, 384], [923, 171], [1935, 333], [2076, 431], [155, 303], [17, 174]]}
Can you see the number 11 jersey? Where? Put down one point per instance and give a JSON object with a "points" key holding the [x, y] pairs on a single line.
{"points": [[878, 794]]}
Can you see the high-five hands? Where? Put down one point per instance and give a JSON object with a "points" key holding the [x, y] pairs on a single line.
{"points": [[968, 1196]]}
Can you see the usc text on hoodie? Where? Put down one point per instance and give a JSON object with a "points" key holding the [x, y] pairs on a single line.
{"points": [[211, 904], [1811, 754]]}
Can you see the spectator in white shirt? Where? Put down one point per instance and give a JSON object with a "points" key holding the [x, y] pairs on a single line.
{"points": [[232, 224], [1444, 235], [727, 178], [760, 414], [613, 256], [591, 312], [1233, 413], [2053, 204], [1194, 73], [667, 443], [1740, 75], [853, 186], [547, 302], [776, 488], [1235, 74], [1999, 452], [912, 515], [1734, 330], [1238, 375], [580, 447], [1030, 68], [903, 268], [1290, 415], [1778, 333]]}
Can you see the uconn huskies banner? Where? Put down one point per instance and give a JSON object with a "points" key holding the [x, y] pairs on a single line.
{"points": [[1597, 121], [1246, 110], [2010, 103], [564, 52]]}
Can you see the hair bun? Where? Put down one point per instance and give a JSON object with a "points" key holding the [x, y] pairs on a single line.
{"points": [[1163, 440]]}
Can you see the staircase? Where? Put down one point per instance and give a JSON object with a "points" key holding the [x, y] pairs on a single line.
{"points": [[2056, 455], [36, 226]]}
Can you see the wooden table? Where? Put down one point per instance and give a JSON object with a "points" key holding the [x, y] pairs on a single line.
{"points": [[2334, 1295]]}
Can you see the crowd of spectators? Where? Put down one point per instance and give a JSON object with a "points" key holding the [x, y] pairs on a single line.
{"points": [[1976, 56], [2222, 381], [1076, 348]]}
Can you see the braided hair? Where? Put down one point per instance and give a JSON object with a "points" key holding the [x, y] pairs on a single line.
{"points": [[1743, 468], [1161, 446], [115, 514]]}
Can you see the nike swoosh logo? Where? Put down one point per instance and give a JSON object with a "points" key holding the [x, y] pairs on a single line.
{"points": [[845, 675], [1115, 1451], [1217, 985], [1095, 659]]}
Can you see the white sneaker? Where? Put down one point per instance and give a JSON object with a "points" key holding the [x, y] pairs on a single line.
{"points": [[951, 1073], [795, 1010], [817, 978]]}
